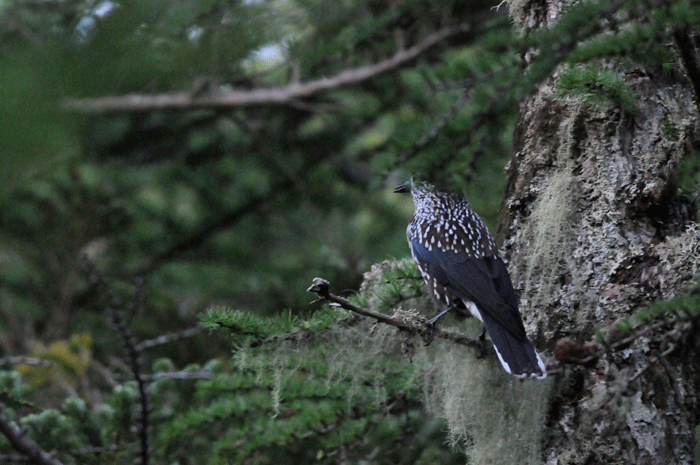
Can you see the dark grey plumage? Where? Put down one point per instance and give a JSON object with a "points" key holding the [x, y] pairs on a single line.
{"points": [[458, 259]]}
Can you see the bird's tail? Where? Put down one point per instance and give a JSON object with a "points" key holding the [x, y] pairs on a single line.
{"points": [[517, 356]]}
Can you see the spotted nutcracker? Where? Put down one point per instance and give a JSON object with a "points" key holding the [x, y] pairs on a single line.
{"points": [[458, 259]]}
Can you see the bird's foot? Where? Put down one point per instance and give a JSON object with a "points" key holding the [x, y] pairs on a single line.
{"points": [[480, 342], [429, 334]]}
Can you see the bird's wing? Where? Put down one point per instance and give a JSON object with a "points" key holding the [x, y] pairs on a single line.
{"points": [[484, 281]]}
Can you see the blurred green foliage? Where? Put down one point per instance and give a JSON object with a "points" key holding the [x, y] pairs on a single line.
{"points": [[240, 207]]}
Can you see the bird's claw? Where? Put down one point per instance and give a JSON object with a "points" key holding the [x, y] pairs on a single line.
{"points": [[479, 339], [428, 335]]}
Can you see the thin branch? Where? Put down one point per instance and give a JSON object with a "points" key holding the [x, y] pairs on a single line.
{"points": [[133, 359], [289, 94], [21, 359], [19, 440], [321, 287], [567, 351], [171, 337], [294, 335], [204, 374], [653, 362], [135, 364], [619, 344]]}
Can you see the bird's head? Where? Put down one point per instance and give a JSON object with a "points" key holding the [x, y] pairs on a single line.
{"points": [[418, 189], [424, 195]]}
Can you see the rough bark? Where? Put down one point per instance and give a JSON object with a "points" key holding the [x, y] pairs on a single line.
{"points": [[595, 230]]}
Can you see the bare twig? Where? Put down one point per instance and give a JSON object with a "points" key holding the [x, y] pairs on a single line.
{"points": [[321, 287], [614, 346], [286, 95], [652, 362], [21, 359], [570, 352], [135, 363], [133, 359], [24, 444], [171, 337], [204, 374]]}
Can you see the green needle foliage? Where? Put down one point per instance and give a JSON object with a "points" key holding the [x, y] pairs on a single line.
{"points": [[600, 88], [174, 216]]}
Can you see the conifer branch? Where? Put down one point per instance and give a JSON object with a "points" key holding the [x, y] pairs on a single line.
{"points": [[19, 440], [286, 95], [395, 404], [321, 287], [293, 335]]}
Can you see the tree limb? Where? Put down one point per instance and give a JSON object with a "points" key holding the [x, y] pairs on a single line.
{"points": [[321, 287], [24, 444], [270, 96]]}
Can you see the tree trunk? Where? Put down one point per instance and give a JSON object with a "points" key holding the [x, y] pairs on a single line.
{"points": [[595, 231]]}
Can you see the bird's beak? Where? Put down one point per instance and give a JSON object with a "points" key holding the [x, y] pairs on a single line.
{"points": [[403, 188]]}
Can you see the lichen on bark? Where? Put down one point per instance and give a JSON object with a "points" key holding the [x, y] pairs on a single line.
{"points": [[595, 230]]}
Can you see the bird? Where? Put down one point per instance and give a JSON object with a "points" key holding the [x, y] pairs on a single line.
{"points": [[459, 261]]}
